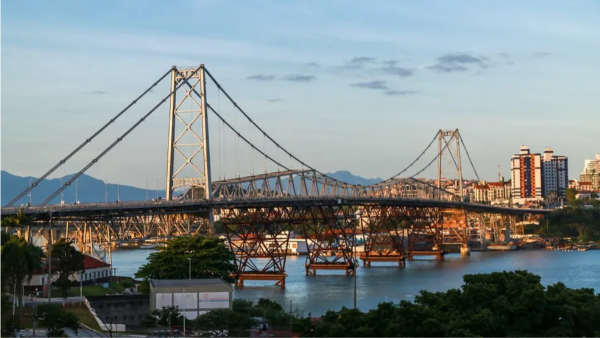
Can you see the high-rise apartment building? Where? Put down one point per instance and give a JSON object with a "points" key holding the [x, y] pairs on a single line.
{"points": [[526, 176], [591, 173], [555, 173]]}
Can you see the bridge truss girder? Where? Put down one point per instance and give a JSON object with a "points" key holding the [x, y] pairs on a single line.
{"points": [[383, 228]]}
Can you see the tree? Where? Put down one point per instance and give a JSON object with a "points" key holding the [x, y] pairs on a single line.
{"points": [[501, 304], [164, 317], [54, 318], [210, 258], [571, 194], [66, 260], [223, 323], [19, 260]]}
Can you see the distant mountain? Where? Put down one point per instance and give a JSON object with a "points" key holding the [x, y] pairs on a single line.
{"points": [[348, 177], [92, 190], [89, 190]]}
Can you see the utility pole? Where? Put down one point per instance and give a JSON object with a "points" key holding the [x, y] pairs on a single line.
{"points": [[119, 191], [30, 182], [105, 191], [76, 198], [62, 193]]}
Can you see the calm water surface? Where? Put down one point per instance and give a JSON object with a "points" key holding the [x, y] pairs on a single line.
{"points": [[331, 291]]}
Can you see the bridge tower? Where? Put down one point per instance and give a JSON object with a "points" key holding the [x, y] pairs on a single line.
{"points": [[449, 162], [185, 139]]}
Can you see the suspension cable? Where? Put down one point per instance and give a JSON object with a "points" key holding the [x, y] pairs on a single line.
{"points": [[265, 134], [94, 161], [468, 156], [413, 162], [236, 132], [86, 142], [435, 158]]}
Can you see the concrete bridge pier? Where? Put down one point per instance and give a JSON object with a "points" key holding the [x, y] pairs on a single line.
{"points": [[465, 251]]}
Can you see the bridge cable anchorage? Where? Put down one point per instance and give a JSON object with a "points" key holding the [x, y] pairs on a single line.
{"points": [[267, 135], [468, 156], [413, 162], [94, 161], [235, 131], [86, 142]]}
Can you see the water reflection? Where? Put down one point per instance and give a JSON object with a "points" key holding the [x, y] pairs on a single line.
{"points": [[332, 290]]}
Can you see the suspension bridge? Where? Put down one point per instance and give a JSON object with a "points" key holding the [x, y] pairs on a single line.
{"points": [[400, 217]]}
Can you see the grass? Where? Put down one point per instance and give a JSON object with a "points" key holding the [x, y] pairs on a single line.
{"points": [[84, 315], [91, 290], [116, 286]]}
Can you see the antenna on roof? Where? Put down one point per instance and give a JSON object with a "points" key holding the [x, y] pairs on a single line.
{"points": [[499, 174]]}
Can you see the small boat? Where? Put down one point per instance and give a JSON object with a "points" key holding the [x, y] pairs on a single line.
{"points": [[148, 246]]}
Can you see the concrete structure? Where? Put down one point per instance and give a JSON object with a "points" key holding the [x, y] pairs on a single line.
{"points": [[120, 310], [555, 173], [94, 269], [194, 297], [526, 176]]}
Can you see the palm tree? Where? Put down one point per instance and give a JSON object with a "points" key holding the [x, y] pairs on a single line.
{"points": [[19, 260]]}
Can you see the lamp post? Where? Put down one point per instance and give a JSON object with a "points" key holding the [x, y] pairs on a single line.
{"points": [[81, 283], [30, 181], [105, 191], [62, 193], [190, 267], [76, 198], [119, 191], [184, 307]]}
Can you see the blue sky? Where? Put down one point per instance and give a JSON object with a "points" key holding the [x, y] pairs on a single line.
{"points": [[380, 78]]}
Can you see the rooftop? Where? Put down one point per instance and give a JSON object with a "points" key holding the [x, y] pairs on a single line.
{"points": [[169, 283]]}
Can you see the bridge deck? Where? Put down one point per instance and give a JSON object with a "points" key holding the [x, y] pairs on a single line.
{"points": [[198, 206]]}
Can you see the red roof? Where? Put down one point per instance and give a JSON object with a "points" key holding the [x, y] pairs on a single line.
{"points": [[496, 184], [585, 183], [93, 263]]}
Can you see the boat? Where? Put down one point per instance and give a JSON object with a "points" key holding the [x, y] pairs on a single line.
{"points": [[148, 246]]}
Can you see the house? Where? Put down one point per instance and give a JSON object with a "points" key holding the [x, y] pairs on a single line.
{"points": [[94, 269]]}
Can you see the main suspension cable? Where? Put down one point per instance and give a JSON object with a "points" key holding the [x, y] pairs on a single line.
{"points": [[413, 162], [468, 156], [86, 142], [94, 161], [267, 135]]}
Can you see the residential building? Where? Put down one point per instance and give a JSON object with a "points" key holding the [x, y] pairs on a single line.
{"points": [[591, 173], [555, 173], [526, 176], [490, 192]]}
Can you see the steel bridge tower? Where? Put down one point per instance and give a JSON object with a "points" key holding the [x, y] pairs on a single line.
{"points": [[449, 161], [192, 105]]}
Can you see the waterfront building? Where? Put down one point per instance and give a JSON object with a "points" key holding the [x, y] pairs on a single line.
{"points": [[94, 270], [193, 297], [526, 176], [555, 173]]}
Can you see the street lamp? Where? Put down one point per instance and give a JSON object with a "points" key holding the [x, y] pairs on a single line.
{"points": [[81, 283], [105, 191], [76, 199], [30, 181], [62, 193], [119, 190], [190, 267]]}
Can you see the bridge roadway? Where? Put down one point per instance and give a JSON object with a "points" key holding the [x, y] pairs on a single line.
{"points": [[199, 205]]}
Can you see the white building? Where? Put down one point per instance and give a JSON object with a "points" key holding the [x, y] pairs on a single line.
{"points": [[94, 269], [555, 171], [526, 176]]}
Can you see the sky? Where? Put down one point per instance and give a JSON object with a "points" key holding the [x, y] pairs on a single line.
{"points": [[362, 86]]}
